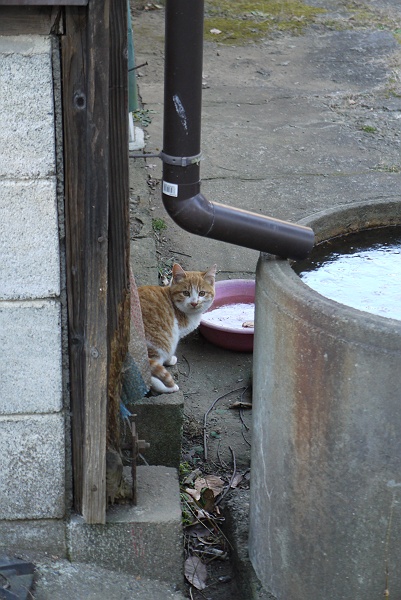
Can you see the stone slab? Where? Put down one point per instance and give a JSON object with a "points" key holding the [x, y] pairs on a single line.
{"points": [[30, 357], [143, 540], [29, 244], [32, 467]]}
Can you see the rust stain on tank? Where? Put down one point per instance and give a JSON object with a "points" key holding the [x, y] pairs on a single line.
{"points": [[318, 366]]}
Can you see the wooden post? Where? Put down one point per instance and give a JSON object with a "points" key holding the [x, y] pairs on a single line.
{"points": [[74, 68], [119, 236], [85, 61], [96, 250]]}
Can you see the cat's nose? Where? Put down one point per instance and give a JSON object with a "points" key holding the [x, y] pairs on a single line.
{"points": [[194, 304]]}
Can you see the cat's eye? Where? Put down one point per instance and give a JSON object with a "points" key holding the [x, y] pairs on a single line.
{"points": [[202, 293], [186, 293]]}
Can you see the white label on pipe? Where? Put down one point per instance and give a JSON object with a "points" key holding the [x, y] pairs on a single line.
{"points": [[170, 189]]}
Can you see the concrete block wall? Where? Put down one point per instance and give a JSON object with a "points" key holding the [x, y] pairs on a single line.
{"points": [[32, 427]]}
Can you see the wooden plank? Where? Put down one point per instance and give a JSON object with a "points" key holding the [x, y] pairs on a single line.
{"points": [[85, 50], [96, 250], [74, 68], [119, 240]]}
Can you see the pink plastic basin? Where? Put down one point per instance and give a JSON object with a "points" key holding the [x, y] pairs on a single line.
{"points": [[230, 291]]}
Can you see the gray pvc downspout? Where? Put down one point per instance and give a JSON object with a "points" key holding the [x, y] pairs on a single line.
{"points": [[181, 150]]}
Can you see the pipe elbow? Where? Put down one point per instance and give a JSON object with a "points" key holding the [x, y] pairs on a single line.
{"points": [[195, 214], [198, 215]]}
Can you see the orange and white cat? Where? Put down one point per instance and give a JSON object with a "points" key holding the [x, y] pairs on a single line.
{"points": [[170, 313]]}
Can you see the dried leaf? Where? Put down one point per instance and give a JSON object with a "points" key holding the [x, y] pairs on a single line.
{"points": [[197, 530], [236, 480], [213, 482], [152, 6], [195, 572], [201, 515], [208, 500], [241, 405], [196, 494]]}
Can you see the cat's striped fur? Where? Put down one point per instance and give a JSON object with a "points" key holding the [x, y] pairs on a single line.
{"points": [[170, 313]]}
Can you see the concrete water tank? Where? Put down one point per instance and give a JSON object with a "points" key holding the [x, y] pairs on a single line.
{"points": [[325, 515]]}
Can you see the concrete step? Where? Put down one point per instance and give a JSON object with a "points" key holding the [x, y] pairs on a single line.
{"points": [[62, 580], [143, 540], [159, 418], [160, 421]]}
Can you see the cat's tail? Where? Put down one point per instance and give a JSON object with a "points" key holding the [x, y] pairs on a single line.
{"points": [[161, 380]]}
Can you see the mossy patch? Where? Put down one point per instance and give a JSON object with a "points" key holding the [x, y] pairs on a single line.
{"points": [[241, 21], [384, 168], [368, 128], [362, 16], [393, 88], [158, 225]]}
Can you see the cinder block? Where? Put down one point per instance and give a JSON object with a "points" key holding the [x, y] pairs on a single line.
{"points": [[27, 146], [32, 467], [30, 357], [29, 243], [145, 540]]}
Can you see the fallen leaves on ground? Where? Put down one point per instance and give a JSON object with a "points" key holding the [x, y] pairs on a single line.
{"points": [[238, 477], [195, 572], [204, 540], [209, 482]]}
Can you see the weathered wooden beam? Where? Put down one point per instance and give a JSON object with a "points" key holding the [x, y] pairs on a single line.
{"points": [[74, 69], [119, 237], [85, 61], [96, 251]]}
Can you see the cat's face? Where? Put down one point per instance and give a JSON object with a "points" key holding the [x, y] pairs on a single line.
{"points": [[192, 291]]}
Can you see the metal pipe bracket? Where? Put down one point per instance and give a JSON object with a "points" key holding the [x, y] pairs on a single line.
{"points": [[181, 161]]}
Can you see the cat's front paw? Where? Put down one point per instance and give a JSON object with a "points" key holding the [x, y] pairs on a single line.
{"points": [[171, 361], [159, 387], [169, 390]]}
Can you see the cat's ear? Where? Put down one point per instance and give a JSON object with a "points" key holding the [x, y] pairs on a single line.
{"points": [[178, 273], [210, 274]]}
